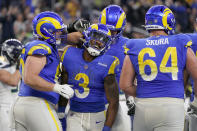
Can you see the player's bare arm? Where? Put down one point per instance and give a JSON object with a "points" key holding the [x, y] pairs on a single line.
{"points": [[63, 80], [64, 76], [186, 78], [127, 77], [9, 78], [74, 37], [33, 66], [112, 95], [191, 67]]}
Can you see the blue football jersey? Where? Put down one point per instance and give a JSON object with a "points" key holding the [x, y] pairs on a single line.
{"points": [[159, 62], [193, 37], [117, 49], [88, 79], [50, 72]]}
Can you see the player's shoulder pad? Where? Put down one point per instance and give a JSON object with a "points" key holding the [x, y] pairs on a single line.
{"points": [[184, 39], [111, 63], [193, 37], [130, 44], [123, 40], [38, 47], [67, 49]]}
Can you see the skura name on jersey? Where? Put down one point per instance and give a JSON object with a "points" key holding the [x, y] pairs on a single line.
{"points": [[157, 42]]}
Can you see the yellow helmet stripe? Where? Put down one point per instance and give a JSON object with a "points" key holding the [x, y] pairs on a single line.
{"points": [[165, 16], [47, 20], [94, 26], [109, 33], [103, 17], [38, 29], [121, 20], [53, 21]]}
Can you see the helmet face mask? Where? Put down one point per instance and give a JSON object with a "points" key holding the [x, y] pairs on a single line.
{"points": [[160, 17], [11, 50], [98, 39], [46, 25], [59, 35], [115, 18]]}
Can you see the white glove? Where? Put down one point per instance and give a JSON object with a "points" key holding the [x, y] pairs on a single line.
{"points": [[64, 90], [194, 103]]}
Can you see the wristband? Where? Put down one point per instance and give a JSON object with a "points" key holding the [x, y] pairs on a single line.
{"points": [[106, 128], [56, 88]]}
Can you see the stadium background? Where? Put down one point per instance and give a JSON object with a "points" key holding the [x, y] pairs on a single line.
{"points": [[16, 15]]}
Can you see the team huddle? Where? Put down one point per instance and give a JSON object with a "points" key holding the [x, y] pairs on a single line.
{"points": [[77, 87]]}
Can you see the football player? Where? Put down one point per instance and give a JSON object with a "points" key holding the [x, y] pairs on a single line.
{"points": [[192, 111], [92, 75], [9, 77], [79, 25], [158, 62], [114, 18], [39, 90]]}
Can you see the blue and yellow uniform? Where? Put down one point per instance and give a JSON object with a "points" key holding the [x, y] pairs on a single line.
{"points": [[38, 47], [117, 50], [88, 79], [159, 62]]}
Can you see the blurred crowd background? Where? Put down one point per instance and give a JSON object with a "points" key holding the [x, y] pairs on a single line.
{"points": [[16, 15]]}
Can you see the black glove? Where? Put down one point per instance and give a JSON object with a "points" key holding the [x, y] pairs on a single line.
{"points": [[131, 106], [17, 64], [78, 25], [193, 107], [192, 110]]}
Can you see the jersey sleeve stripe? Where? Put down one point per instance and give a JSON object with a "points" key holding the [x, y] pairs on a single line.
{"points": [[125, 49], [23, 66], [188, 44], [46, 47], [35, 48], [23, 51], [62, 57], [113, 65]]}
